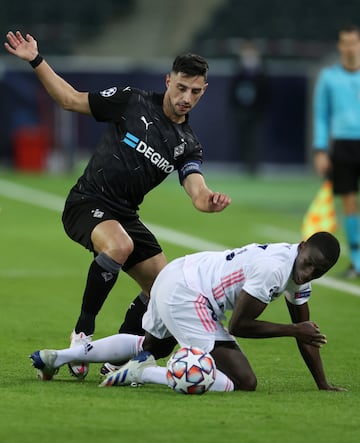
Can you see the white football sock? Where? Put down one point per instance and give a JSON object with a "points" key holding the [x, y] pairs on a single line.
{"points": [[118, 347], [222, 383], [157, 374], [154, 374]]}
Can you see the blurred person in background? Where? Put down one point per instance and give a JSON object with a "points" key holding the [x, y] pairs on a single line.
{"points": [[147, 138], [336, 122], [249, 96]]}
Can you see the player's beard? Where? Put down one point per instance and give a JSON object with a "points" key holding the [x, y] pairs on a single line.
{"points": [[184, 108], [177, 113]]}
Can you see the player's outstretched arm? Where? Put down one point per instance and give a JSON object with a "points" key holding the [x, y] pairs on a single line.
{"points": [[244, 323], [62, 92], [309, 352], [202, 197]]}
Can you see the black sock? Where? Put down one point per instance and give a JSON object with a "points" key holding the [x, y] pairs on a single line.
{"points": [[133, 318], [85, 323], [99, 283]]}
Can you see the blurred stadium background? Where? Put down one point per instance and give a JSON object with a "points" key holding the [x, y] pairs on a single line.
{"points": [[95, 45]]}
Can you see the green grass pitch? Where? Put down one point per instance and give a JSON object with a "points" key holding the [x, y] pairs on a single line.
{"points": [[42, 276]]}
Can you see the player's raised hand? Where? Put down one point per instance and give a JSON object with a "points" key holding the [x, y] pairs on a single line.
{"points": [[24, 48]]}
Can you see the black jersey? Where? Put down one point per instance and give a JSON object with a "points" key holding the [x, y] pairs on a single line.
{"points": [[139, 149]]}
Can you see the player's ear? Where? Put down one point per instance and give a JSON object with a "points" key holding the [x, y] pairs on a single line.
{"points": [[167, 80], [301, 245]]}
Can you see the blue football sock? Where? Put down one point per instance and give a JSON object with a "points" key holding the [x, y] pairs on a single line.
{"points": [[352, 227]]}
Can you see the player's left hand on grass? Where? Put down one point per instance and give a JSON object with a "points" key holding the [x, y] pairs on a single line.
{"points": [[332, 388]]}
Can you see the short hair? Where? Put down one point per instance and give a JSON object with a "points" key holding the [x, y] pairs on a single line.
{"points": [[191, 64], [350, 28], [327, 244]]}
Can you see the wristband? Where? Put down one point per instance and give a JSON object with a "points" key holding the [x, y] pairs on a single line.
{"points": [[36, 62]]}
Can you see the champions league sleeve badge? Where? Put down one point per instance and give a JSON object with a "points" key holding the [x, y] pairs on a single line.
{"points": [[108, 92]]}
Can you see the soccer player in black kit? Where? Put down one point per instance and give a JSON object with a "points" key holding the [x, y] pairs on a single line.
{"points": [[147, 138]]}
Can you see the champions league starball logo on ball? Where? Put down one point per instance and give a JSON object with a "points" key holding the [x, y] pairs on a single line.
{"points": [[191, 371]]}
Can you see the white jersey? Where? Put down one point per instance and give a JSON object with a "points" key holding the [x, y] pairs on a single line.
{"points": [[262, 270], [190, 295]]}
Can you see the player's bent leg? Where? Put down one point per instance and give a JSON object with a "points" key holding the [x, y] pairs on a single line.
{"points": [[231, 361], [112, 245], [144, 273]]}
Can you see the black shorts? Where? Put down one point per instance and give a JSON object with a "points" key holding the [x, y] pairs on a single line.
{"points": [[345, 172], [80, 218]]}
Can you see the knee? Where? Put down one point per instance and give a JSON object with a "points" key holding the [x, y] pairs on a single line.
{"points": [[110, 238], [247, 382], [120, 251], [125, 248]]}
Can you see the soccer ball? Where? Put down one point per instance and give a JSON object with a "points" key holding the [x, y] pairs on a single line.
{"points": [[191, 371]]}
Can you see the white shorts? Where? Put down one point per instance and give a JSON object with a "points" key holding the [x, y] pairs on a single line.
{"points": [[175, 309]]}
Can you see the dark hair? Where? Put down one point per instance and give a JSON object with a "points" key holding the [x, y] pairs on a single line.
{"points": [[191, 64], [350, 28], [327, 244]]}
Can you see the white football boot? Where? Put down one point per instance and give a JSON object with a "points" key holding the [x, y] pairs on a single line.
{"points": [[79, 369], [108, 368], [130, 373], [43, 362]]}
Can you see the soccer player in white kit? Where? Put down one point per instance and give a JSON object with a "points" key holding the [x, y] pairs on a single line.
{"points": [[188, 303], [191, 296]]}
